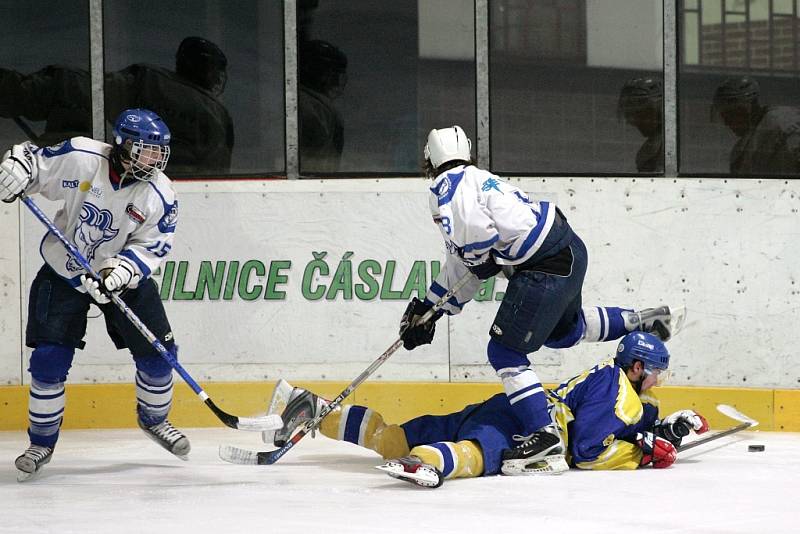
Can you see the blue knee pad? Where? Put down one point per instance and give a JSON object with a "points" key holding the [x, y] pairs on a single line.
{"points": [[502, 357], [153, 363], [51, 363]]}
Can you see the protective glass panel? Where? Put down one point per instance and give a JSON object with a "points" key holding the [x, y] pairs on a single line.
{"points": [[557, 72], [375, 77], [212, 69], [44, 85], [738, 88]]}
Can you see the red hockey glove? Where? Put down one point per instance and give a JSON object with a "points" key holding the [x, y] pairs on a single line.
{"points": [[658, 451]]}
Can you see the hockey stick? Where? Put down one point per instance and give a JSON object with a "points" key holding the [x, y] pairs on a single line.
{"points": [[254, 424], [237, 455], [733, 413]]}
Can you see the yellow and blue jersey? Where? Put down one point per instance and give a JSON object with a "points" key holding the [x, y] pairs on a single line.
{"points": [[599, 414]]}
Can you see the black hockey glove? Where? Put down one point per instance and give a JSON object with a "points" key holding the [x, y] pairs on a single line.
{"points": [[485, 270], [413, 334]]}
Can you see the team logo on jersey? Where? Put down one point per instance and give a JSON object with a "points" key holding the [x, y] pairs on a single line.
{"points": [[69, 184], [169, 221], [497, 330], [609, 440], [444, 187], [135, 214], [85, 187], [489, 184], [94, 229]]}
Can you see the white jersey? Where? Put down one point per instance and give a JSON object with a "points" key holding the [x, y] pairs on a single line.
{"points": [[479, 213], [136, 221]]}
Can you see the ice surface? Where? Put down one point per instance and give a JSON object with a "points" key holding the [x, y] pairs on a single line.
{"points": [[118, 481]]}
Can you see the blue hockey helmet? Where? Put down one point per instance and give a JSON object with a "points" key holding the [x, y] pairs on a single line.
{"points": [[144, 140], [644, 347]]}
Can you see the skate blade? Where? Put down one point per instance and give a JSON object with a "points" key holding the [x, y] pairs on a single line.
{"points": [[24, 476], [549, 465], [423, 478]]}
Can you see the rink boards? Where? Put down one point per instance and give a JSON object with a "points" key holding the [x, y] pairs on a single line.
{"points": [[307, 280]]}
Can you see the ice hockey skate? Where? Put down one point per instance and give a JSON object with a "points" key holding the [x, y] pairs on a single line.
{"points": [[541, 453], [301, 408], [31, 461], [413, 470], [168, 437], [663, 321]]}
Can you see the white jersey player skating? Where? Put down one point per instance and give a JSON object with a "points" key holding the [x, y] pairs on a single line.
{"points": [[102, 218], [119, 209], [489, 226]]}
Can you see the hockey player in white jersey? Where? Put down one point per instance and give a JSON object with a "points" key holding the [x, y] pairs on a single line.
{"points": [[120, 210], [489, 226]]}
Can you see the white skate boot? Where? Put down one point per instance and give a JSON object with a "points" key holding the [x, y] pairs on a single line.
{"points": [[413, 470]]}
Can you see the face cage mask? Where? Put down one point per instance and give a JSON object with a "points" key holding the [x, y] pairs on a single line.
{"points": [[146, 159]]}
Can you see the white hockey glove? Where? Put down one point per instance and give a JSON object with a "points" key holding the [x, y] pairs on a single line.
{"points": [[15, 173], [676, 426], [117, 275]]}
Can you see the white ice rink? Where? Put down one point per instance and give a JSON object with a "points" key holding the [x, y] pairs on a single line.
{"points": [[118, 481]]}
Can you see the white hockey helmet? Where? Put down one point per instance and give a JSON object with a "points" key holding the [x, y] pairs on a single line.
{"points": [[447, 144]]}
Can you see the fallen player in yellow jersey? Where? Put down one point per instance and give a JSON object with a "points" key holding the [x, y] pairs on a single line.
{"points": [[606, 415]]}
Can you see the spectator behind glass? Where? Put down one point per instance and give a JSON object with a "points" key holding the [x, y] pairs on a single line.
{"points": [[769, 136], [188, 100], [641, 104], [57, 94], [321, 78]]}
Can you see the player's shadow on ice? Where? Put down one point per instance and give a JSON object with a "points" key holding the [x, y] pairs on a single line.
{"points": [[337, 462], [687, 457], [52, 472]]}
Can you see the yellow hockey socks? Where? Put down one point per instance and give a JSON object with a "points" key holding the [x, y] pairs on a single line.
{"points": [[455, 460], [365, 427]]}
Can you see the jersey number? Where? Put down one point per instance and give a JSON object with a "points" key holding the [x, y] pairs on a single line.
{"points": [[160, 249]]}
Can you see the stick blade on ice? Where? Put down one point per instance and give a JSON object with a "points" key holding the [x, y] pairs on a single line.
{"points": [[235, 455]]}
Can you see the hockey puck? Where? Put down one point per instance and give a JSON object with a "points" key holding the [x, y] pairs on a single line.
{"points": [[755, 448]]}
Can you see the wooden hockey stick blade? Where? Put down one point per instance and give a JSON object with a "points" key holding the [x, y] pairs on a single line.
{"points": [[706, 439], [735, 414]]}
